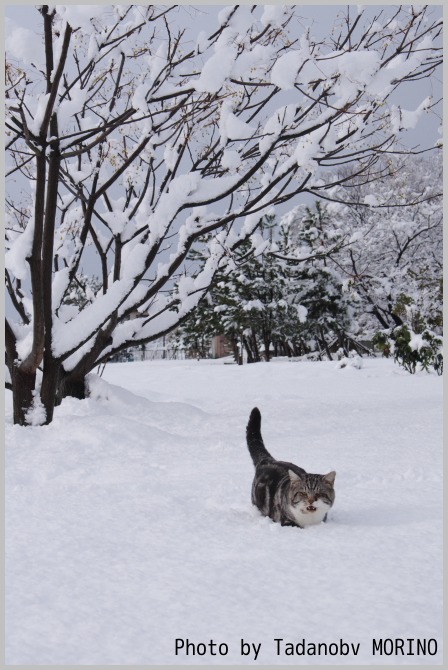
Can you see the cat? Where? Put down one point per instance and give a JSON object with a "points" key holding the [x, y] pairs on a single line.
{"points": [[283, 491]]}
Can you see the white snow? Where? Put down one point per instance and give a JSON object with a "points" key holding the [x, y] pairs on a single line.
{"points": [[371, 200], [223, 14], [253, 63], [302, 313], [61, 280], [81, 16], [38, 113], [216, 69], [19, 250], [139, 99], [36, 415], [285, 69], [78, 175], [274, 15], [129, 522], [417, 342], [170, 157], [399, 67], [117, 220], [354, 362], [253, 304], [405, 119], [282, 117], [355, 68], [67, 336], [231, 127], [230, 160]]}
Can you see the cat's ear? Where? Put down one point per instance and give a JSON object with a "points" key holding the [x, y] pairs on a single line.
{"points": [[329, 478], [293, 476]]}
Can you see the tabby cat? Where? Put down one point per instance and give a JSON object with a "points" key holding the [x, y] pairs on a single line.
{"points": [[283, 491]]}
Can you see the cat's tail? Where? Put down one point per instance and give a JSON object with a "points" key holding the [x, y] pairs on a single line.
{"points": [[254, 440]]}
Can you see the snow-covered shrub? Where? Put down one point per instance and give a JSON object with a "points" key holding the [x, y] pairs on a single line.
{"points": [[412, 351]]}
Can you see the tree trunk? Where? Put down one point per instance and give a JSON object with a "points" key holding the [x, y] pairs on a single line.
{"points": [[256, 352], [23, 385], [250, 356], [49, 393], [73, 386], [236, 354], [342, 342], [267, 346], [324, 344]]}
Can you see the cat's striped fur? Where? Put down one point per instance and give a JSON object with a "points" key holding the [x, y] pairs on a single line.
{"points": [[283, 491]]}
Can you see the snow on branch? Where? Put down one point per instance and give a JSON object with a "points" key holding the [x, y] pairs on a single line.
{"points": [[131, 137]]}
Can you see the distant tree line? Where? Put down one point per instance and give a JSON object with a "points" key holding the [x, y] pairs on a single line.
{"points": [[365, 268]]}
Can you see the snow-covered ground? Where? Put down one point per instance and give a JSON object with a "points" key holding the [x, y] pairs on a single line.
{"points": [[129, 521]]}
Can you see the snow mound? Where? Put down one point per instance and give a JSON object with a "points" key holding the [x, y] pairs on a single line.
{"points": [[351, 362], [121, 401]]}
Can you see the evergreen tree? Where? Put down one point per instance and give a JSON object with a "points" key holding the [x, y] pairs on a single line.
{"points": [[267, 304], [391, 266], [313, 237]]}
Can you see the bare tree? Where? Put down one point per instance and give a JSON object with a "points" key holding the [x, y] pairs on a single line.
{"points": [[128, 140], [395, 263]]}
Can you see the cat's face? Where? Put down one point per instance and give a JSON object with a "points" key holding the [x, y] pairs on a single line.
{"points": [[310, 497]]}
